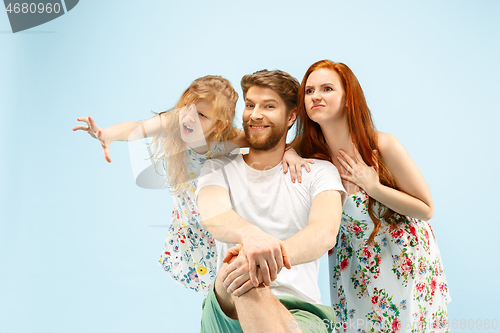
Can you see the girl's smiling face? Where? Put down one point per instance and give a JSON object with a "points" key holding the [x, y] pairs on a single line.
{"points": [[324, 97]]}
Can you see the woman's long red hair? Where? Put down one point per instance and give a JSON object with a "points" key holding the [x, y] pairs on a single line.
{"points": [[310, 141]]}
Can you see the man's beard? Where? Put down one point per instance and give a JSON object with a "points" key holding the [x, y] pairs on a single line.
{"points": [[264, 142]]}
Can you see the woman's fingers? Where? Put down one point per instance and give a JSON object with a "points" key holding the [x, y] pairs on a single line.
{"points": [[346, 165], [298, 171], [306, 164], [348, 178], [292, 174], [347, 158], [285, 166]]}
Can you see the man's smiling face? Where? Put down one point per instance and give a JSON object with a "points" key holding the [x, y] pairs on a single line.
{"points": [[264, 118]]}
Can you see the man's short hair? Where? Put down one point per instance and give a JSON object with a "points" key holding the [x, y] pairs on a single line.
{"points": [[285, 85]]}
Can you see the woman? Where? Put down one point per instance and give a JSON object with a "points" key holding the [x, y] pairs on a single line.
{"points": [[200, 127], [385, 270]]}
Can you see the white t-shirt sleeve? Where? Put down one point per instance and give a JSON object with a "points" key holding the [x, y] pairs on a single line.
{"points": [[211, 174], [326, 177]]}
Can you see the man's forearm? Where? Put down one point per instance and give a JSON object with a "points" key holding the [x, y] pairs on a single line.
{"points": [[320, 234], [309, 244], [229, 227], [219, 218]]}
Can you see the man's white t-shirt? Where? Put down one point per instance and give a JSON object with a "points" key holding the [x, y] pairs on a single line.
{"points": [[270, 200]]}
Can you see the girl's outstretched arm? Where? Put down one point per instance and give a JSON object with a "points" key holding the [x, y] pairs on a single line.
{"points": [[413, 197], [126, 131]]}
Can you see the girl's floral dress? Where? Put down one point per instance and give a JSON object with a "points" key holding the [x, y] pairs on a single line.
{"points": [[396, 285], [189, 255]]}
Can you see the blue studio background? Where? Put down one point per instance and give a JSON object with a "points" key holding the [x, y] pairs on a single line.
{"points": [[80, 242]]}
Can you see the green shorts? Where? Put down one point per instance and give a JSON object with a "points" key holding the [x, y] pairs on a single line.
{"points": [[311, 318]]}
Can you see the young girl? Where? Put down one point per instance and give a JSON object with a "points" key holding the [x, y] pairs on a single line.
{"points": [[200, 127], [385, 270]]}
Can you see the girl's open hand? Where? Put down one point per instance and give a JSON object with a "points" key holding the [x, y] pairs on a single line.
{"points": [[97, 133], [358, 172], [291, 160]]}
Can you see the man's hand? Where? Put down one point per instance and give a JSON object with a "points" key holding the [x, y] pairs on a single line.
{"points": [[266, 252], [239, 251], [235, 276]]}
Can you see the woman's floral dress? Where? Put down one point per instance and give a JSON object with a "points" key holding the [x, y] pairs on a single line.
{"points": [[396, 285], [189, 255]]}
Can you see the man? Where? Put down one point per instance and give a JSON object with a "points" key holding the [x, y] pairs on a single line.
{"points": [[247, 200]]}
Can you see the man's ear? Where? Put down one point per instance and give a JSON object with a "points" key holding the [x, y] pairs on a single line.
{"points": [[292, 117]]}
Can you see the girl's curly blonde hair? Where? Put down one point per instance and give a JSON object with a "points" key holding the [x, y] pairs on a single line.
{"points": [[170, 150]]}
